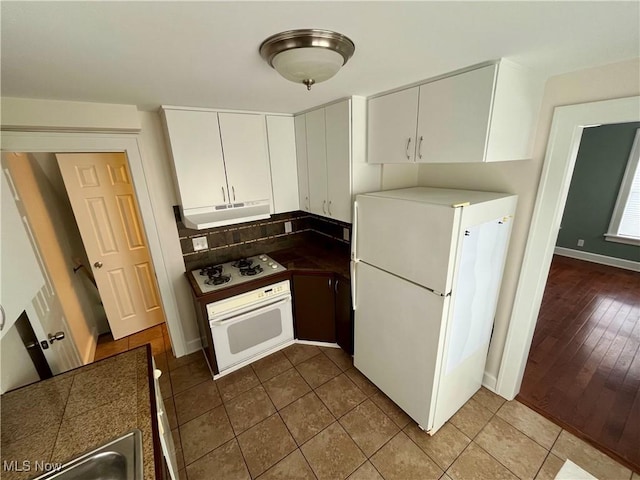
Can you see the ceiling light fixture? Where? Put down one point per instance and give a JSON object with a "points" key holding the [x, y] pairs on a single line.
{"points": [[307, 56]]}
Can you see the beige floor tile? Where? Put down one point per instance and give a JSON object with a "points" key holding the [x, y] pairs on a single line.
{"points": [[332, 453], [340, 395], [194, 401], [269, 367], [476, 464], [170, 410], [306, 417], [235, 383], [393, 411], [445, 477], [226, 461], [189, 375], [362, 382], [595, 462], [550, 468], [174, 362], [318, 370], [488, 399], [249, 408], [529, 422], [342, 359], [635, 476], [401, 459], [293, 466], [265, 444], [512, 448], [471, 418], [286, 388], [443, 447], [165, 385], [298, 352], [205, 433], [369, 427], [366, 471], [177, 444]]}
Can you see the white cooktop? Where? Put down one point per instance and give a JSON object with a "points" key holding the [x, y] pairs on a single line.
{"points": [[235, 273]]}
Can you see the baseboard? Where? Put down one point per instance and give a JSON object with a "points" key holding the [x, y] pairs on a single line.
{"points": [[193, 346], [489, 382], [597, 258], [318, 344]]}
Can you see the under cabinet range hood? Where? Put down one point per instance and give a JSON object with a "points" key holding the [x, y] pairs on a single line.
{"points": [[228, 214]]}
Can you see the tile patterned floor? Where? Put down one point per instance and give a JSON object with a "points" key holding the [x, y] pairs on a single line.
{"points": [[306, 413]]}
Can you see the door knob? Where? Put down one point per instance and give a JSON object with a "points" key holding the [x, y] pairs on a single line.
{"points": [[56, 336], [98, 264]]}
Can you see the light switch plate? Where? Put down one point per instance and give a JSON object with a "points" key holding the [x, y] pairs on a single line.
{"points": [[345, 234], [287, 227], [199, 243]]}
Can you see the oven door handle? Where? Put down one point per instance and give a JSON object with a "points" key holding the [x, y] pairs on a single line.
{"points": [[244, 312]]}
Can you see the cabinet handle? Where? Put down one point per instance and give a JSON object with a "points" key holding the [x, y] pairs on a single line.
{"points": [[335, 286], [224, 197], [233, 189], [420, 147], [329, 283], [407, 149], [324, 203], [306, 203], [329, 208]]}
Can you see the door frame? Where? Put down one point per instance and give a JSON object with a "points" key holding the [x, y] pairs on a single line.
{"points": [[562, 149], [129, 144]]}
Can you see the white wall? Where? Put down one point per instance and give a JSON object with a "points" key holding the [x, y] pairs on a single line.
{"points": [[602, 83]]}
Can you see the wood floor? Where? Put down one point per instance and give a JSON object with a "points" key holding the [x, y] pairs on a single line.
{"points": [[584, 366]]}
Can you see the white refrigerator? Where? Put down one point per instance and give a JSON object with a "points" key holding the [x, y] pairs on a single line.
{"points": [[426, 268]]}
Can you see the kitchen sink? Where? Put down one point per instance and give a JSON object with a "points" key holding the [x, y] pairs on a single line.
{"points": [[119, 459]]}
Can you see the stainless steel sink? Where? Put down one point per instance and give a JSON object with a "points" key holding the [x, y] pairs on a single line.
{"points": [[119, 459]]}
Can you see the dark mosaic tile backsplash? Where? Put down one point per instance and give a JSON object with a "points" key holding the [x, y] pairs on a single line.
{"points": [[262, 236]]}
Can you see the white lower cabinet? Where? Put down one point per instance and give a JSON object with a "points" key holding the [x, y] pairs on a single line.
{"points": [[166, 437], [330, 146]]}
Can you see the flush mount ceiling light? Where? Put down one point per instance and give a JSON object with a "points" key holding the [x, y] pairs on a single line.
{"points": [[307, 56]]}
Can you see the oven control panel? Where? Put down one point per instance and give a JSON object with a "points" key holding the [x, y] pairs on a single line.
{"points": [[248, 299]]}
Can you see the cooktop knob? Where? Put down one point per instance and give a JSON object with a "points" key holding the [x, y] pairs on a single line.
{"points": [[273, 265]]}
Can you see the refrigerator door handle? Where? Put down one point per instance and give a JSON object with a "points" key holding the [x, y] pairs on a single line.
{"points": [[353, 285], [354, 235]]}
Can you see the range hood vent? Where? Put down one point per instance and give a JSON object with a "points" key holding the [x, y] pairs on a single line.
{"points": [[226, 214]]}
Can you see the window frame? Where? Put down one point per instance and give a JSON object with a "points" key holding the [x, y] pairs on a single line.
{"points": [[631, 170]]}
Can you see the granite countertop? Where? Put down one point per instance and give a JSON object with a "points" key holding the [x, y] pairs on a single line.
{"points": [[55, 420]]}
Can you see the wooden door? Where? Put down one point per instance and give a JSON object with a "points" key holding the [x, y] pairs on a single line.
{"points": [[454, 115], [338, 121], [301, 156], [314, 308], [344, 314], [246, 156], [317, 161], [392, 127], [104, 204]]}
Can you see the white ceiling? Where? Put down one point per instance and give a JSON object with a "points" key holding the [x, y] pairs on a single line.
{"points": [[206, 53]]}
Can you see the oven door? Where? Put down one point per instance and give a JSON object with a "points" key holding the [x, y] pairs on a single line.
{"points": [[238, 336]]}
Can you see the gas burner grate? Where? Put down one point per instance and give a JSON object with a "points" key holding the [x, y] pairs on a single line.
{"points": [[251, 271], [211, 271], [243, 263], [218, 279]]}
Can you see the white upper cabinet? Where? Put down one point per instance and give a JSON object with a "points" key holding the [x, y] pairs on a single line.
{"points": [[392, 127], [481, 114], [194, 141], [330, 145], [246, 157], [284, 170]]}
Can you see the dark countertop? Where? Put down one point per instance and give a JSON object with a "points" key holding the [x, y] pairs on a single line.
{"points": [[312, 258], [55, 420]]}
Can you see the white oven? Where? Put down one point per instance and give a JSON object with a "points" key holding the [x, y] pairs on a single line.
{"points": [[250, 324]]}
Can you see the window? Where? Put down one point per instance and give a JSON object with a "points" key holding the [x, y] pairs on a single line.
{"points": [[625, 221]]}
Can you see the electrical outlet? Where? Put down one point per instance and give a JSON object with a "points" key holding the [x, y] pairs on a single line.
{"points": [[288, 228], [345, 234], [580, 242], [199, 243]]}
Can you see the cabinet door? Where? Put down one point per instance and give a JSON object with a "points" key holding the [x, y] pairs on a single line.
{"points": [[244, 140], [317, 161], [282, 156], [454, 115], [338, 121], [301, 155], [314, 308], [344, 314], [194, 138], [392, 127]]}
